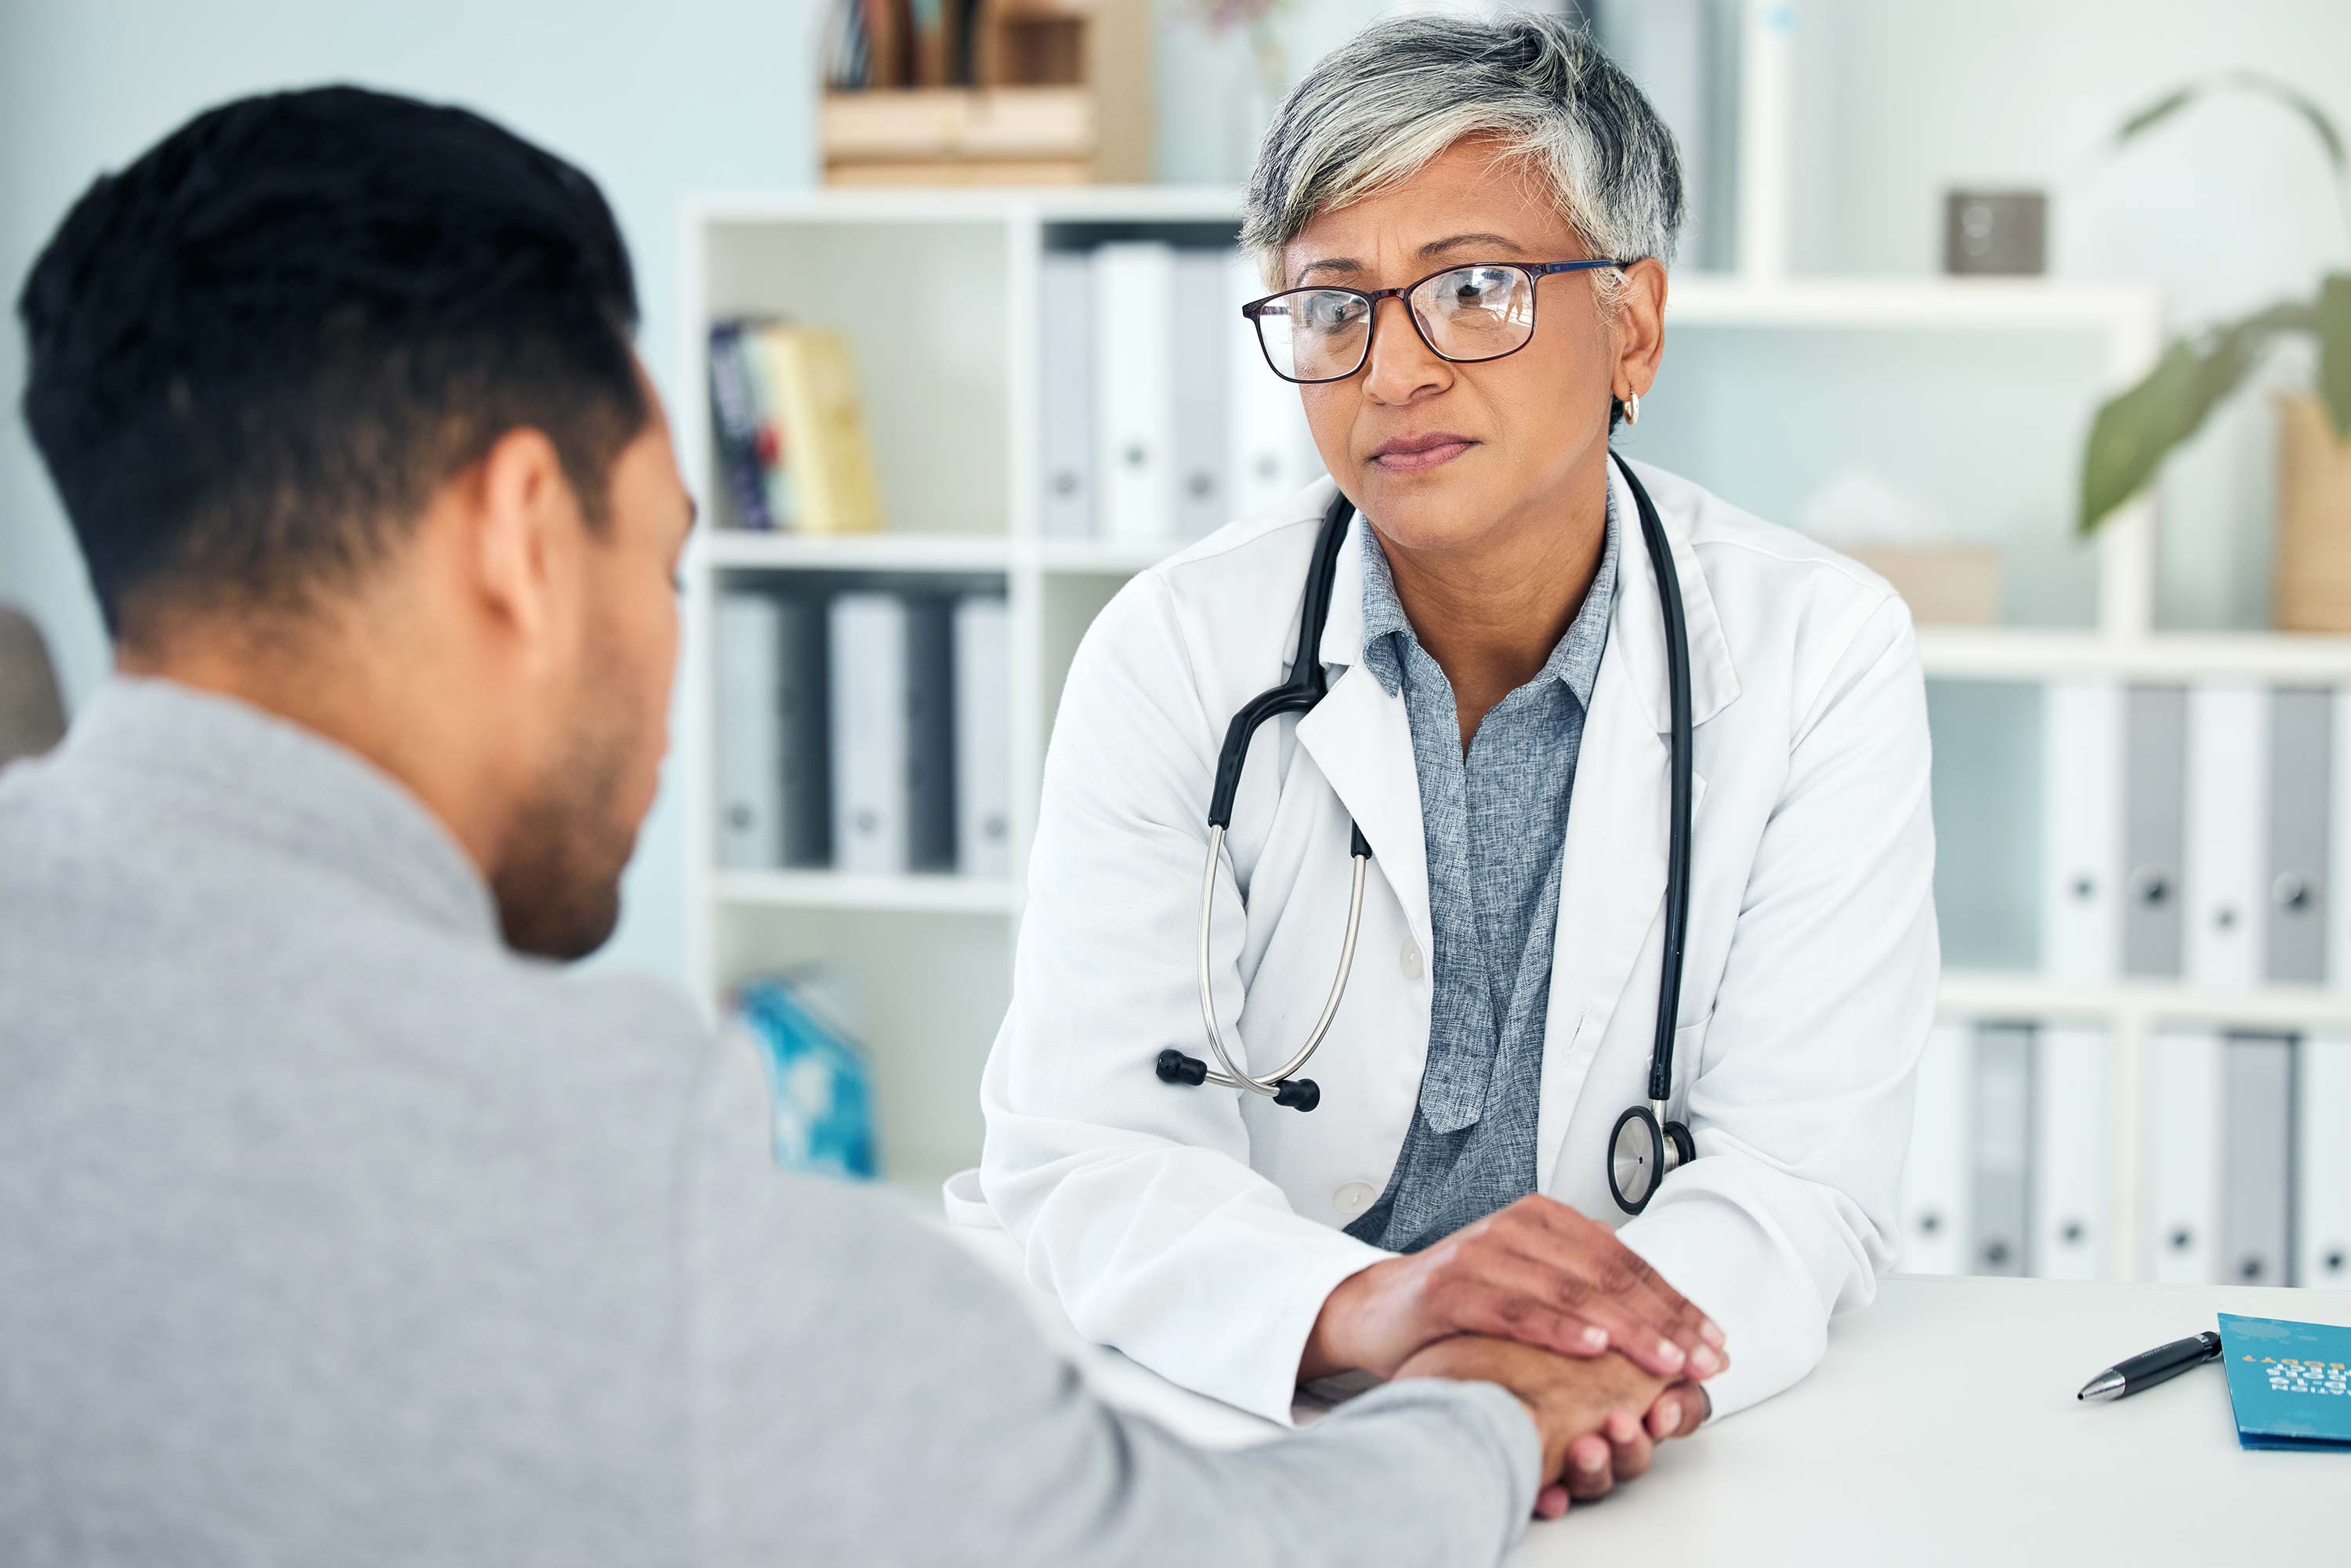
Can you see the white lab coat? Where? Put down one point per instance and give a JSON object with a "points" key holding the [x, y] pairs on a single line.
{"points": [[1199, 1230]]}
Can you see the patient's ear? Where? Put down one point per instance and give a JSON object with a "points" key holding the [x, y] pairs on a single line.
{"points": [[522, 541]]}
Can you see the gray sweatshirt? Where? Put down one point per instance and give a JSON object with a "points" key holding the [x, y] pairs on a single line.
{"points": [[333, 1231]]}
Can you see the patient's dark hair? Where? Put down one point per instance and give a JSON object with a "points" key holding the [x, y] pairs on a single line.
{"points": [[258, 351]]}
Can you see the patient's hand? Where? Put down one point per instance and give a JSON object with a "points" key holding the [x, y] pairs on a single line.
{"points": [[1580, 1407], [1537, 1271]]}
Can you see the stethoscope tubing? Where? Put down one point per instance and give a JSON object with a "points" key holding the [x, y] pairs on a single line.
{"points": [[1232, 1077], [1299, 693]]}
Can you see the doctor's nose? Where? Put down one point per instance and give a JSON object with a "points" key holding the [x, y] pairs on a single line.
{"points": [[1400, 367]]}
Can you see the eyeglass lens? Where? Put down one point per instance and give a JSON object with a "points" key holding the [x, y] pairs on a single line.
{"points": [[1469, 313]]}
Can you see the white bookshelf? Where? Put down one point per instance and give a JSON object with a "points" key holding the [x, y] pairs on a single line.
{"points": [[952, 397]]}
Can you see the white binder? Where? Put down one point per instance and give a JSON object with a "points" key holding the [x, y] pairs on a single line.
{"points": [[1999, 1127], [2069, 1155], [1134, 384], [868, 732], [2323, 1155], [1204, 332], [1934, 1205], [1065, 394], [1271, 453], [2183, 1163], [2338, 908], [748, 645], [982, 710], [2228, 834], [2082, 864]]}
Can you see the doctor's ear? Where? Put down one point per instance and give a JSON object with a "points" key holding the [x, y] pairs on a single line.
{"points": [[1637, 318]]}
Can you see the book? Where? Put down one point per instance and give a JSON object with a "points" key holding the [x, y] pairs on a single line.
{"points": [[2289, 1383], [735, 423], [811, 378], [820, 1091]]}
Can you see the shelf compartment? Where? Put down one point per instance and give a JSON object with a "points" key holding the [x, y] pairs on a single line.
{"points": [[1997, 994], [932, 893], [885, 552]]}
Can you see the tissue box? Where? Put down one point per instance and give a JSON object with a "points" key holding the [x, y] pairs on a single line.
{"points": [[1945, 585]]}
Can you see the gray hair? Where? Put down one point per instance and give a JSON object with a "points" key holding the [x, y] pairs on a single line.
{"points": [[1375, 111]]}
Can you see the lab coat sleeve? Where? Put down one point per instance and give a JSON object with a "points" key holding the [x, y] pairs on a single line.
{"points": [[1800, 1107], [1135, 1202]]}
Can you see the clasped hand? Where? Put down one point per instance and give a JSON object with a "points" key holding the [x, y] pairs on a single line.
{"points": [[1504, 1299]]}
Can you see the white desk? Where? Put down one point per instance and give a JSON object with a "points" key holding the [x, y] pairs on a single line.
{"points": [[1942, 1427]]}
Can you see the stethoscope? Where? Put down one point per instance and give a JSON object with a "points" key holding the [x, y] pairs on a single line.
{"points": [[1645, 1146]]}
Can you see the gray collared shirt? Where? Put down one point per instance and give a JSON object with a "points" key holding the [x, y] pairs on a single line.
{"points": [[1495, 823]]}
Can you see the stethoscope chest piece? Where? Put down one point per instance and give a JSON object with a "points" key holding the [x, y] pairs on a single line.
{"points": [[1641, 1151]]}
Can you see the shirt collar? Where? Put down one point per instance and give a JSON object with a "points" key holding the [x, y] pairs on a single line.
{"points": [[1574, 660], [293, 791]]}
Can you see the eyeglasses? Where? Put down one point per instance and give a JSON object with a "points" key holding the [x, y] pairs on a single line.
{"points": [[1464, 314]]}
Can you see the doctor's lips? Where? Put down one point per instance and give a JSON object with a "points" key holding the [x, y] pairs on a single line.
{"points": [[1410, 453]]}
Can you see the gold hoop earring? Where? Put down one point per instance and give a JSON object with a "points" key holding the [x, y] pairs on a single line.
{"points": [[1632, 408]]}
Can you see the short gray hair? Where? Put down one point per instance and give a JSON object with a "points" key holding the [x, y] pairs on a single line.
{"points": [[1375, 111]]}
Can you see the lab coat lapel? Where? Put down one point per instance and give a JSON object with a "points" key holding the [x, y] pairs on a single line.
{"points": [[1613, 870], [1361, 737]]}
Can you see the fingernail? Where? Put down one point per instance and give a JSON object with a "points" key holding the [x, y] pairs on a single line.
{"points": [[1597, 1338], [1712, 1333], [1671, 1355], [1669, 1414], [1705, 1361], [1589, 1463]]}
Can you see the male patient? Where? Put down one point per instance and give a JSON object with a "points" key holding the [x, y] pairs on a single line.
{"points": [[337, 1223]]}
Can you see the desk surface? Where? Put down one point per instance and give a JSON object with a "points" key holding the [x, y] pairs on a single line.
{"points": [[1942, 1427]]}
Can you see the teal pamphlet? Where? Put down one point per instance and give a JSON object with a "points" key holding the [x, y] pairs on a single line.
{"points": [[2289, 1383]]}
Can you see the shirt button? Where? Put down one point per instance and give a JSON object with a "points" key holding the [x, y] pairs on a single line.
{"points": [[1408, 959], [1352, 1198]]}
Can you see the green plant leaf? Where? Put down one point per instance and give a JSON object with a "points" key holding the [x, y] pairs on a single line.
{"points": [[2333, 313], [2292, 96], [2135, 430], [2294, 99], [2162, 110]]}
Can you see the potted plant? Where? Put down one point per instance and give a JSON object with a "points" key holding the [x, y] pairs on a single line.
{"points": [[2137, 429]]}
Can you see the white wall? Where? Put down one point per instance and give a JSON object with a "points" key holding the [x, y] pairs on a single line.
{"points": [[652, 99], [2227, 207]]}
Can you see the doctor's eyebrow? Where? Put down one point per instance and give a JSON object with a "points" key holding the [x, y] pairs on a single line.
{"points": [[1429, 252]]}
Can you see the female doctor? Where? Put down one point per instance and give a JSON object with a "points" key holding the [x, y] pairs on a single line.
{"points": [[1464, 226]]}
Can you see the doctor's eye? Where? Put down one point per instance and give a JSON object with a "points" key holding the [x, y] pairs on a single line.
{"points": [[1330, 311]]}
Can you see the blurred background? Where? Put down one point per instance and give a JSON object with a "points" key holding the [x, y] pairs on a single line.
{"points": [[1959, 283]]}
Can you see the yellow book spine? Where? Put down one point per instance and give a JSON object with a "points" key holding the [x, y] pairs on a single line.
{"points": [[824, 431]]}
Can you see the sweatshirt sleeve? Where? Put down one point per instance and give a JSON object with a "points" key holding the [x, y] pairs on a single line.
{"points": [[864, 1392]]}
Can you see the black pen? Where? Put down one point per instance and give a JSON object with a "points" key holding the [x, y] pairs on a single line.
{"points": [[2151, 1368]]}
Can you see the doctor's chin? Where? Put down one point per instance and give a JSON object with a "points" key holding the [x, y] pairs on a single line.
{"points": [[947, 784]]}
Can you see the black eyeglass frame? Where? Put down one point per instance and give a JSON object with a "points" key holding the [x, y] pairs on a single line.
{"points": [[1536, 271]]}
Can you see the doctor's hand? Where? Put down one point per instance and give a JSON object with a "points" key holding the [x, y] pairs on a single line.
{"points": [[1588, 1413], [1538, 1272]]}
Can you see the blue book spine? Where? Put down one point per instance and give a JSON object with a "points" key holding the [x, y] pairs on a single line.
{"points": [[735, 424]]}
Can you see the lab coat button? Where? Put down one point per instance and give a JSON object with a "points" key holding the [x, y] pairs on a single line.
{"points": [[1353, 1198], [1408, 959]]}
